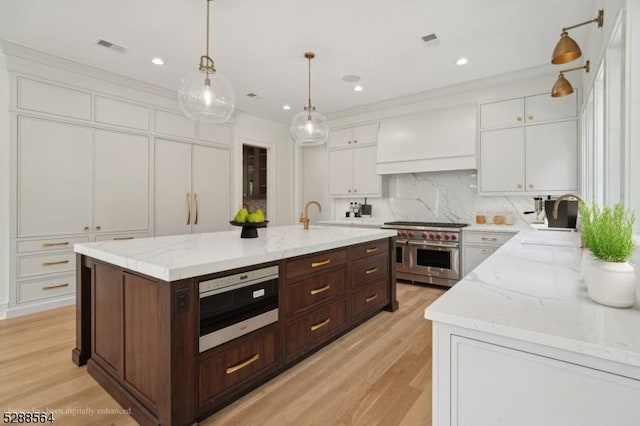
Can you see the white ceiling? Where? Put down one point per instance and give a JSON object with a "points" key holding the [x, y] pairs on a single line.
{"points": [[259, 44]]}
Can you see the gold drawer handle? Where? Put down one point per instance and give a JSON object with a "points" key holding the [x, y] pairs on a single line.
{"points": [[242, 365], [122, 238], [51, 287], [320, 290], [59, 262], [321, 263], [66, 243], [371, 271], [321, 324], [372, 250], [484, 251], [489, 239], [371, 298]]}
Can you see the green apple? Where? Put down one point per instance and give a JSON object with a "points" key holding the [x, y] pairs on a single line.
{"points": [[241, 216]]}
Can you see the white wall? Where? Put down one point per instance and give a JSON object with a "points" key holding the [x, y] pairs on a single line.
{"points": [[4, 185], [249, 129], [633, 105]]}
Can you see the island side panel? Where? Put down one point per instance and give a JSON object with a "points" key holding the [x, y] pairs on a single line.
{"points": [[393, 304], [82, 352]]}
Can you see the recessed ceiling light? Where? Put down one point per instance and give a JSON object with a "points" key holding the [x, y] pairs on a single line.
{"points": [[157, 61], [351, 78], [286, 107], [462, 61], [358, 88]]}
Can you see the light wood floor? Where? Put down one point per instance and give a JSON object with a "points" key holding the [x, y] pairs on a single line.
{"points": [[379, 373]]}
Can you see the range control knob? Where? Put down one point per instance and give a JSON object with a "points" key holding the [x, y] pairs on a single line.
{"points": [[446, 236], [438, 236], [402, 234], [410, 234], [424, 235], [454, 237], [431, 236]]}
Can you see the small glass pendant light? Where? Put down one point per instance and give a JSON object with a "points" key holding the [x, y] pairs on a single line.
{"points": [[205, 94], [309, 127]]}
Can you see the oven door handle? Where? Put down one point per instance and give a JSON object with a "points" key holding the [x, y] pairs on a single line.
{"points": [[401, 241], [426, 244]]}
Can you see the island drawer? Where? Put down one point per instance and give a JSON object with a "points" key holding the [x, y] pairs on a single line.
{"points": [[370, 298], [46, 263], [369, 269], [237, 364], [315, 328], [315, 262], [369, 249], [312, 291]]}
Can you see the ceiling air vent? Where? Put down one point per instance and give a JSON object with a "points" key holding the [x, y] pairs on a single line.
{"points": [[253, 96], [429, 38], [112, 46]]}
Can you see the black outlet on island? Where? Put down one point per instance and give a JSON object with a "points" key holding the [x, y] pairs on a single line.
{"points": [[182, 300]]}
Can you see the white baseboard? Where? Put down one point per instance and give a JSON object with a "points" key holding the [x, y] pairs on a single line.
{"points": [[31, 308], [3, 310]]}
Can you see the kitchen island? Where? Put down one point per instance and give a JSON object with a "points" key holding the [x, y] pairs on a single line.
{"points": [[142, 326], [518, 341]]}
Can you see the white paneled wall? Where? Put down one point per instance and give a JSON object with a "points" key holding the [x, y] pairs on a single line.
{"points": [[4, 185]]}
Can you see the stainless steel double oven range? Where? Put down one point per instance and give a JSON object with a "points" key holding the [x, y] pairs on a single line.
{"points": [[428, 252]]}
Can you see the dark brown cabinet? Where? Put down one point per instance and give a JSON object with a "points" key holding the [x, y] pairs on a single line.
{"points": [[254, 179]]}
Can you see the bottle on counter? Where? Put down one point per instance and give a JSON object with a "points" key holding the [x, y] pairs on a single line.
{"points": [[251, 188]]}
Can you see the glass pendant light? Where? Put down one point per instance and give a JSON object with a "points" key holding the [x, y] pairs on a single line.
{"points": [[205, 94], [309, 127]]}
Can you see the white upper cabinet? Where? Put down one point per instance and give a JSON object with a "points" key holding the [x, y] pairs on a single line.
{"points": [[552, 157], [436, 140], [211, 189], [52, 99], [352, 172], [174, 124], [543, 107], [502, 114], [365, 134], [121, 113], [214, 133], [54, 175], [502, 154], [121, 174], [340, 172]]}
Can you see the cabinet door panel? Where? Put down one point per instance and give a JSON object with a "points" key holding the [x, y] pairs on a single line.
{"points": [[502, 160], [340, 138], [211, 183], [552, 155], [121, 181], [502, 114], [341, 172], [172, 184], [54, 178], [474, 256], [366, 134], [544, 108], [365, 179]]}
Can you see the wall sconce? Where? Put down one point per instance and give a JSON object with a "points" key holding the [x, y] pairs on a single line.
{"points": [[562, 86], [567, 49]]}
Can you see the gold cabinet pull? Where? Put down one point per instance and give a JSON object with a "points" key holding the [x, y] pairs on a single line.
{"points": [[242, 365], [321, 263], [86, 228], [372, 250], [320, 290], [320, 324], [371, 271], [98, 228], [51, 287], [484, 251], [122, 238], [530, 117], [355, 190], [196, 197], [371, 298], [489, 239], [57, 262], [530, 185], [188, 208], [66, 243], [519, 118]]}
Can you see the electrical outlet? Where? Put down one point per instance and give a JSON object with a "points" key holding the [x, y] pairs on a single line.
{"points": [[182, 300]]}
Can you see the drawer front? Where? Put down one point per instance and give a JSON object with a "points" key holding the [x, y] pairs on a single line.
{"points": [[369, 249], [367, 270], [46, 264], [315, 262], [315, 328], [50, 244], [495, 238], [46, 288], [118, 237], [370, 298], [238, 364], [312, 291]]}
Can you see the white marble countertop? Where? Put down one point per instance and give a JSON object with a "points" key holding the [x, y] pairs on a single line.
{"points": [[531, 291], [357, 221], [184, 256]]}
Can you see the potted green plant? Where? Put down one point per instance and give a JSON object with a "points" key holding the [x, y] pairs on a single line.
{"points": [[587, 213], [610, 277]]}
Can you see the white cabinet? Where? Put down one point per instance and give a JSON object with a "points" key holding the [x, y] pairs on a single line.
{"points": [[54, 178], [192, 188], [366, 134], [477, 246], [524, 155], [121, 182], [527, 110], [353, 172]]}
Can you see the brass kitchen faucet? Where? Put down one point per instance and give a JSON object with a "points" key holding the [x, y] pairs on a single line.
{"points": [[304, 217]]}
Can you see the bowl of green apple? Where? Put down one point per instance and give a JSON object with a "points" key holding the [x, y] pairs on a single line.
{"points": [[249, 222]]}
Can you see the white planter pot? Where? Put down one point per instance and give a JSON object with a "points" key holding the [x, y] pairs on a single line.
{"points": [[611, 283], [587, 259]]}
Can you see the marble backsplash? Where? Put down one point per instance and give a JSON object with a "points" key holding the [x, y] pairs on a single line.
{"points": [[439, 196]]}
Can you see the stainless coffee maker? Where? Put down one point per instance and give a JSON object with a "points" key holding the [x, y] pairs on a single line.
{"points": [[538, 207]]}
